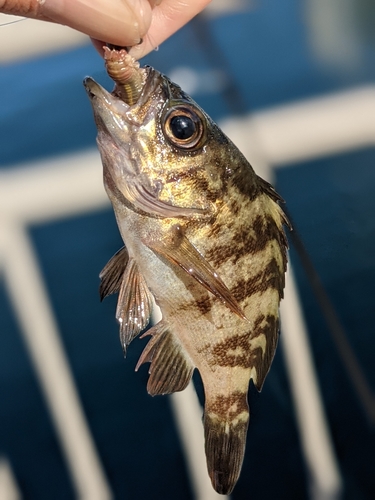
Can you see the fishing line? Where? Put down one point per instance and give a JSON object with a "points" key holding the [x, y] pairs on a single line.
{"points": [[138, 11], [148, 37], [336, 329], [14, 22], [231, 93]]}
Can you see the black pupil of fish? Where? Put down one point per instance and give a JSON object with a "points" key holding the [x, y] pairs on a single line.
{"points": [[182, 127]]}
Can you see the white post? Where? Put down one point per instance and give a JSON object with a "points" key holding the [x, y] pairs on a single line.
{"points": [[326, 483]]}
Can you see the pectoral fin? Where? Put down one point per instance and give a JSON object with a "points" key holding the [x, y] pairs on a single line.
{"points": [[134, 304], [112, 273], [178, 250], [171, 368]]}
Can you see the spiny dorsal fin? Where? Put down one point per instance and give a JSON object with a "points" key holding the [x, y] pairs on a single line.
{"points": [[267, 188], [112, 273], [134, 304], [178, 250], [171, 368], [270, 191]]}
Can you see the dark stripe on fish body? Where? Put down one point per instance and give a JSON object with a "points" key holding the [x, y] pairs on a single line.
{"points": [[202, 185], [204, 305], [258, 329], [236, 204], [228, 407], [269, 277], [222, 355], [244, 180], [222, 352], [264, 229], [220, 254]]}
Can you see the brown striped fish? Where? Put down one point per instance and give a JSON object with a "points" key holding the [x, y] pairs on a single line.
{"points": [[203, 238]]}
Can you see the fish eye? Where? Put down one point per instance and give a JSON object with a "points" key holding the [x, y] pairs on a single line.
{"points": [[184, 127]]}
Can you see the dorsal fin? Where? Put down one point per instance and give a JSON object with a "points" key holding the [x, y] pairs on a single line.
{"points": [[270, 191], [134, 304], [178, 250], [112, 273], [171, 368], [267, 188]]}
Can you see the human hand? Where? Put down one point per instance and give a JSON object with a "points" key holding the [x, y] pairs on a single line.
{"points": [[119, 22]]}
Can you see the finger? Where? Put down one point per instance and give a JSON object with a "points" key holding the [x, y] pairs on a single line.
{"points": [[99, 45], [167, 18], [17, 8], [121, 22]]}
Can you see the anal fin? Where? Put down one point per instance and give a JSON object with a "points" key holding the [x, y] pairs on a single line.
{"points": [[112, 273], [171, 368]]}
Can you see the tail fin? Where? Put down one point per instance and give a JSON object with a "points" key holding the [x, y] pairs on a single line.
{"points": [[225, 440]]}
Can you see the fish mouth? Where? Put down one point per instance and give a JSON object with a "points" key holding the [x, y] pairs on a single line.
{"points": [[96, 92], [109, 108], [92, 88], [113, 102], [111, 113]]}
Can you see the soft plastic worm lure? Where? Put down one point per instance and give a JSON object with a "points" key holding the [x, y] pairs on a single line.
{"points": [[126, 73]]}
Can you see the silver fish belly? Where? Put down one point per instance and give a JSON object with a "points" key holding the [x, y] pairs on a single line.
{"points": [[204, 238]]}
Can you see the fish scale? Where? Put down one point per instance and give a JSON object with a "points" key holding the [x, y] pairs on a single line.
{"points": [[204, 237]]}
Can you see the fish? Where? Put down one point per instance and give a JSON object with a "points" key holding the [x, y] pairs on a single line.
{"points": [[204, 239]]}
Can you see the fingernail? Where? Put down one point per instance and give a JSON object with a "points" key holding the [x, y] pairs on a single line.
{"points": [[154, 3]]}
